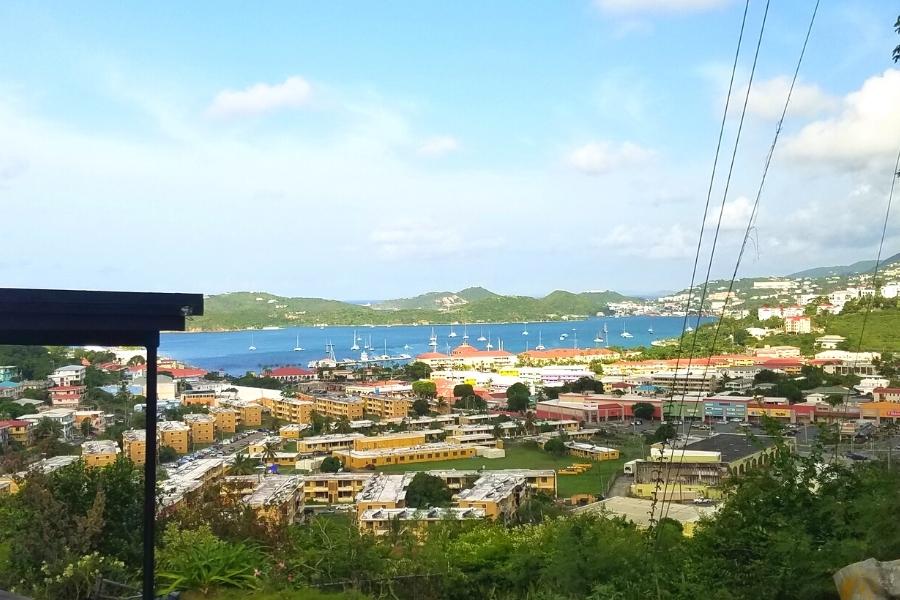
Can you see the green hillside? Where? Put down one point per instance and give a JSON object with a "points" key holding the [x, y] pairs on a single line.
{"points": [[882, 332], [863, 266]]}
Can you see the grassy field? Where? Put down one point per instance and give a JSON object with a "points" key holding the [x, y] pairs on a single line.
{"points": [[882, 332], [517, 457]]}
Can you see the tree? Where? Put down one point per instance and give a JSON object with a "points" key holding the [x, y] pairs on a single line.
{"points": [[663, 433], [529, 422], [45, 429], [463, 390], [416, 370], [424, 389], [556, 446], [343, 425], [330, 464], [167, 454], [767, 376], [136, 360], [834, 400], [420, 406], [86, 428], [269, 452], [243, 465], [470, 403], [518, 397], [643, 410], [36, 394], [596, 366], [427, 490], [789, 390]]}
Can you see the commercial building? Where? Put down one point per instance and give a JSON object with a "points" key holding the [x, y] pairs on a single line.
{"points": [[498, 494], [99, 453], [685, 381], [886, 394], [205, 398], [203, 428], [334, 488], [582, 356], [326, 444], [380, 521], [289, 409], [134, 445], [225, 419], [880, 411], [362, 459], [175, 435], [469, 357]]}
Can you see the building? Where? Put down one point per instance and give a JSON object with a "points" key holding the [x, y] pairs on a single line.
{"points": [[685, 381], [575, 356], [724, 408], [470, 357], [326, 444], [291, 374], [9, 372], [205, 398], [584, 408], [883, 411], [381, 521], [797, 325], [249, 413], [166, 388], [10, 389], [387, 407], [289, 409], [68, 375], [830, 342], [66, 396], [292, 431], [781, 312], [175, 435], [134, 445], [226, 419], [774, 284], [337, 407], [334, 488], [94, 417], [385, 490], [886, 394], [203, 428], [187, 481], [363, 459], [637, 511], [19, 431], [99, 453], [273, 498], [387, 387], [498, 494], [65, 417], [591, 451], [403, 439]]}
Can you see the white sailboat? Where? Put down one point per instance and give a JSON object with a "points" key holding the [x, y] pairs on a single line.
{"points": [[355, 345], [465, 334], [624, 333], [406, 346], [452, 333], [525, 331], [563, 336], [489, 345], [432, 341], [481, 337], [297, 346], [540, 345], [598, 339], [252, 347]]}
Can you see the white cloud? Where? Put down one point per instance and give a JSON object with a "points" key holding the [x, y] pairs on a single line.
{"points": [[439, 146], [293, 92], [595, 158], [808, 100], [865, 132], [673, 242], [635, 6], [734, 215], [424, 239]]}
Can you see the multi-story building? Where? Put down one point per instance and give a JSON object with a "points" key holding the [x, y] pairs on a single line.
{"points": [[20, 431], [65, 417], [498, 494], [274, 498], [798, 325], [289, 409], [468, 356], [187, 481], [10, 389], [381, 521], [175, 435], [685, 381], [326, 444], [886, 394], [362, 459], [203, 428], [95, 417], [291, 374], [387, 407], [537, 480], [249, 412], [99, 453], [335, 488], [336, 407], [385, 490], [577, 356], [783, 312], [403, 439], [9, 372], [205, 398], [226, 419], [68, 375], [66, 396], [390, 387], [134, 445]]}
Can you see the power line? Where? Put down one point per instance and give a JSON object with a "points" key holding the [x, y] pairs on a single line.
{"points": [[712, 252], [759, 191]]}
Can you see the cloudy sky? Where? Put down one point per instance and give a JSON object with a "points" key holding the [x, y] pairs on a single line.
{"points": [[369, 150]]}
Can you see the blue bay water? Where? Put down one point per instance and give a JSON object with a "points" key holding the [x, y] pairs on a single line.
{"points": [[229, 350]]}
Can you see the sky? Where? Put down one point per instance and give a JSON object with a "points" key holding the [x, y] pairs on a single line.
{"points": [[372, 150]]}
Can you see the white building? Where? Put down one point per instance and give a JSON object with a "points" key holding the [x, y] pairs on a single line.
{"points": [[783, 312], [830, 342], [64, 416], [773, 285], [68, 375]]}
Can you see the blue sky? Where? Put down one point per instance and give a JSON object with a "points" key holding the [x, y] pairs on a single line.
{"points": [[369, 150]]}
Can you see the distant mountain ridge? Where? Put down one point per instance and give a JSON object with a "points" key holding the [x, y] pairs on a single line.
{"points": [[856, 268], [436, 300]]}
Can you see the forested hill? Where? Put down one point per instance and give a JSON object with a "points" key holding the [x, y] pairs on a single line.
{"points": [[242, 310]]}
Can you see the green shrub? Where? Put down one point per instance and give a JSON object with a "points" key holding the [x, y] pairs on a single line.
{"points": [[77, 580]]}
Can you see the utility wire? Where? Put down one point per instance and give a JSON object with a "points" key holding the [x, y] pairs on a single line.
{"points": [[712, 253], [712, 177], [756, 201]]}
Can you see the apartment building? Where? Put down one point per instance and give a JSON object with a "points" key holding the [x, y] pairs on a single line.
{"points": [[591, 451], [387, 407], [334, 488], [20, 431], [326, 444], [289, 409], [498, 494], [335, 407], [134, 445], [66, 396], [95, 417], [64, 416], [537, 480], [249, 412], [292, 431], [383, 491], [99, 453], [174, 434], [225, 419], [205, 398], [403, 439], [68, 375], [380, 521], [362, 459], [203, 428], [185, 482]]}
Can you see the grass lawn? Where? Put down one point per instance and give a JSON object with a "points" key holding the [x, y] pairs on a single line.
{"points": [[518, 457]]}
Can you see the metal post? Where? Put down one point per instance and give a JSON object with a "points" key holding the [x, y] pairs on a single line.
{"points": [[150, 473]]}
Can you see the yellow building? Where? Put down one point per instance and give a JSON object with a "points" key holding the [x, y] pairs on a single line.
{"points": [[537, 480], [326, 444], [203, 428], [334, 488], [226, 419], [381, 521], [387, 407], [134, 445], [592, 451], [361, 459], [292, 431], [289, 409], [99, 453], [175, 435], [385, 490], [880, 411], [276, 499], [199, 398], [336, 407], [391, 440], [21, 431], [498, 494], [251, 414]]}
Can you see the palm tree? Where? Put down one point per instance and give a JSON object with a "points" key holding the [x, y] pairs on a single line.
{"points": [[47, 429], [529, 422], [86, 428], [343, 425], [243, 465], [270, 449]]}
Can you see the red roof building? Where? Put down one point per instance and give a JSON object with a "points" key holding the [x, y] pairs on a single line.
{"points": [[66, 395], [886, 394], [291, 374]]}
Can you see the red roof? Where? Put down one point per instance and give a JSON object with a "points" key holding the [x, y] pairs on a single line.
{"points": [[67, 388], [14, 423], [782, 362], [570, 352], [886, 390], [427, 355], [289, 372]]}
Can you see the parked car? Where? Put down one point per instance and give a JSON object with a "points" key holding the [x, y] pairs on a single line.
{"points": [[856, 456]]}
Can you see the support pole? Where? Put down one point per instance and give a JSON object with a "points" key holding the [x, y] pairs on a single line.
{"points": [[150, 473]]}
